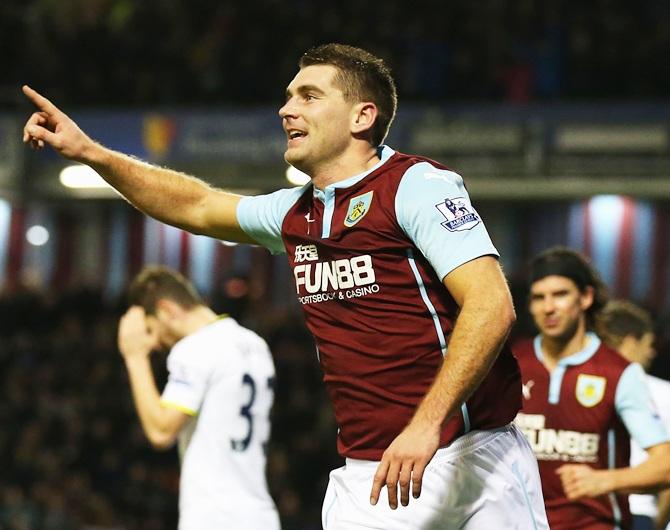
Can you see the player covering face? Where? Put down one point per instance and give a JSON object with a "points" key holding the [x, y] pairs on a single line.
{"points": [[217, 371]]}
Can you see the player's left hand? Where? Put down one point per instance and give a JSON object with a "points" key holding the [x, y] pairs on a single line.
{"points": [[580, 480], [404, 462], [136, 338]]}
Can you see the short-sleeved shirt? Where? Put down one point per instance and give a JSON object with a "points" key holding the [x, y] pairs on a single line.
{"points": [[660, 393], [369, 255], [222, 375], [584, 412]]}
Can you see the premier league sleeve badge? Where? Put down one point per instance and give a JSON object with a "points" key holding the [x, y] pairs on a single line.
{"points": [[458, 213]]}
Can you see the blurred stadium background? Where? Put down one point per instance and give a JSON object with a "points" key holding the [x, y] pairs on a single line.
{"points": [[556, 113]]}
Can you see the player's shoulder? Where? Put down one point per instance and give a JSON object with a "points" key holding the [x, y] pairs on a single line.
{"points": [[282, 195], [423, 171], [413, 159], [610, 359], [662, 385], [206, 339], [221, 344], [660, 393], [421, 181], [193, 347], [243, 334], [245, 343]]}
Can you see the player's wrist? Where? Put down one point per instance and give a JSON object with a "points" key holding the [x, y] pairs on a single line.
{"points": [[609, 480], [427, 424], [94, 154], [135, 359]]}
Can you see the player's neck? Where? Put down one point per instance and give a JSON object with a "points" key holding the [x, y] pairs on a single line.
{"points": [[556, 348], [196, 318], [347, 165]]}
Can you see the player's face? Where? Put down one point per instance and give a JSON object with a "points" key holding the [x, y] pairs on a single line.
{"points": [[639, 350], [316, 119], [558, 306], [166, 338]]}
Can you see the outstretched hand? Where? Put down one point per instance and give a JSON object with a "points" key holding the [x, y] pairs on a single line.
{"points": [[51, 126], [403, 463]]}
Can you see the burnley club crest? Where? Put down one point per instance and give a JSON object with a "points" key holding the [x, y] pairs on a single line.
{"points": [[358, 207]]}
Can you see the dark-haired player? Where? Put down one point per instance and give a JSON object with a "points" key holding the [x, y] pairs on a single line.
{"points": [[400, 286], [583, 401]]}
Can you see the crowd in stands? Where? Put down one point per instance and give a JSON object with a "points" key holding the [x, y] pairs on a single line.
{"points": [[165, 52]]}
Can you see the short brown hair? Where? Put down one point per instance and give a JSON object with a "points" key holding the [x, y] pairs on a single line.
{"points": [[362, 77], [620, 319], [564, 261], [155, 282]]}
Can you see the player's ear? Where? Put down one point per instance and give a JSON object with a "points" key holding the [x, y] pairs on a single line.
{"points": [[628, 347], [586, 298], [168, 308], [363, 117]]}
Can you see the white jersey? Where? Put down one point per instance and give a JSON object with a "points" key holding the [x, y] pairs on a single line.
{"points": [[223, 376], [660, 393]]}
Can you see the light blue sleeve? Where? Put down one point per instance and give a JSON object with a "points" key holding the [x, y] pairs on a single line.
{"points": [[261, 216], [433, 208], [635, 407]]}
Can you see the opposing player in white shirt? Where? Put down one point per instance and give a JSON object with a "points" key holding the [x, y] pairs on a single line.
{"points": [[216, 402], [629, 329]]}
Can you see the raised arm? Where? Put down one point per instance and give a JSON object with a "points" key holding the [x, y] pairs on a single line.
{"points": [[485, 319], [169, 196], [160, 424]]}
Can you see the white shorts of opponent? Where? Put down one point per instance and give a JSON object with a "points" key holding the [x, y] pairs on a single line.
{"points": [[485, 480]]}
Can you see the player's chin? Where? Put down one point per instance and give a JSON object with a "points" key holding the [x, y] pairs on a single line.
{"points": [[290, 156], [553, 332], [293, 157]]}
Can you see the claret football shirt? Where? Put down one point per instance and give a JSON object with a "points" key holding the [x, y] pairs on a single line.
{"points": [[584, 412], [369, 255]]}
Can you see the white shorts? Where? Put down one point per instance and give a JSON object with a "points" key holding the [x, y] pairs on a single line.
{"points": [[484, 480]]}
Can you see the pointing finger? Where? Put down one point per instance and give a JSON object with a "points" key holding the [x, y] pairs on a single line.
{"points": [[40, 101]]}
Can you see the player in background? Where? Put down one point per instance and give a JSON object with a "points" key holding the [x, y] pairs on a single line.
{"points": [[216, 402], [400, 286], [629, 329], [583, 401]]}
